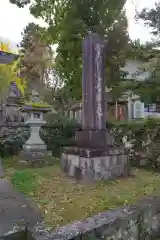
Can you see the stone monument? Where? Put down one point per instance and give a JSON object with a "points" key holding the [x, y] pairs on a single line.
{"points": [[13, 102], [34, 150], [95, 155]]}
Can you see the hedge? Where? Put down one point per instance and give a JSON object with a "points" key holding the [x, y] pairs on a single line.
{"points": [[145, 135]]}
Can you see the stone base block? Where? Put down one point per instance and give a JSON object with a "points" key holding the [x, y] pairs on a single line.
{"points": [[139, 161], [107, 167], [90, 139], [35, 159], [90, 153]]}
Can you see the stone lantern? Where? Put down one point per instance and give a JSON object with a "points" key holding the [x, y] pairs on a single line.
{"points": [[14, 101], [35, 150]]}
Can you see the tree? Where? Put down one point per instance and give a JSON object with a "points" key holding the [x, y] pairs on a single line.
{"points": [[7, 72], [6, 76], [151, 17], [81, 17], [52, 85], [69, 21], [20, 3], [151, 90], [36, 57]]}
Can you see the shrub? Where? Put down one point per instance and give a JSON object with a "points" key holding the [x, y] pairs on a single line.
{"points": [[12, 139], [145, 134], [59, 132]]}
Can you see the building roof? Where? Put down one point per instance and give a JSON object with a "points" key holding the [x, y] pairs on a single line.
{"points": [[7, 58]]}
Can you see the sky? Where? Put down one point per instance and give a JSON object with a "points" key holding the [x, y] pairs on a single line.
{"points": [[13, 20]]}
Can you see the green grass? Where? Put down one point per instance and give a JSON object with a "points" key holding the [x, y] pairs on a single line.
{"points": [[63, 200], [25, 181]]}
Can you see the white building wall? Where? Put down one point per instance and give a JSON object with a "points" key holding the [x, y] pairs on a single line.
{"points": [[133, 67]]}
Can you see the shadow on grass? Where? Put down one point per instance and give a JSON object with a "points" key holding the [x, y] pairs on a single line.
{"points": [[10, 162], [25, 179], [149, 168], [13, 162]]}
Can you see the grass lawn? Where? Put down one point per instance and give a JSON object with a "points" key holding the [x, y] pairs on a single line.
{"points": [[64, 200]]}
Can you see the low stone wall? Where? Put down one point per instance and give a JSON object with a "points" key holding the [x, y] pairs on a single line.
{"points": [[136, 222], [19, 235]]}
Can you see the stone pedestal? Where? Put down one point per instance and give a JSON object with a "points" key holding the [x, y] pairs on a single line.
{"points": [[89, 164], [35, 158], [139, 161]]}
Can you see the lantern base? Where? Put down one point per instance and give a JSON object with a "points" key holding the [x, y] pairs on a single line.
{"points": [[36, 158]]}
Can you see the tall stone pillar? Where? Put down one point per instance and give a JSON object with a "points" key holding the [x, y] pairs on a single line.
{"points": [[94, 156], [93, 83], [93, 94]]}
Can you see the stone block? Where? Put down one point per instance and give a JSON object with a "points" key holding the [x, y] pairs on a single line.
{"points": [[84, 152], [139, 161], [106, 167], [35, 159], [91, 139], [73, 160], [114, 160], [143, 162], [106, 161]]}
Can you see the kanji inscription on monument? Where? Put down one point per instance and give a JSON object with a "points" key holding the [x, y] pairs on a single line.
{"points": [[93, 132], [93, 83]]}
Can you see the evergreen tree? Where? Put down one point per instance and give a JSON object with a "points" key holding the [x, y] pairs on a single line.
{"points": [[20, 3], [35, 56], [69, 21], [150, 91]]}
